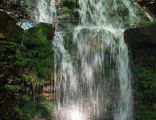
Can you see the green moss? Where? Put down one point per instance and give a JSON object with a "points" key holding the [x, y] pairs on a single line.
{"points": [[28, 62], [36, 54], [39, 60], [12, 88], [45, 108], [66, 10], [145, 96], [147, 76], [147, 113], [34, 58], [24, 99], [41, 109], [37, 36]]}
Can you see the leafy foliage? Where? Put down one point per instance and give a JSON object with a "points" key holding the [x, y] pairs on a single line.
{"points": [[36, 55], [30, 65], [12, 87]]}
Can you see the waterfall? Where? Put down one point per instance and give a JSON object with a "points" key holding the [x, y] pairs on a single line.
{"points": [[92, 76], [45, 10], [41, 10]]}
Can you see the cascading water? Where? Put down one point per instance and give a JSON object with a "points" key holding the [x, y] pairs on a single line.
{"points": [[94, 81], [45, 10], [41, 10]]}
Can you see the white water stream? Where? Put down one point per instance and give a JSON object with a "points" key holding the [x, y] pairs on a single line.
{"points": [[93, 78], [94, 81], [41, 10]]}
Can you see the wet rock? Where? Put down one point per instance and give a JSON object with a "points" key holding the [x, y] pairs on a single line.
{"points": [[141, 42], [141, 37]]}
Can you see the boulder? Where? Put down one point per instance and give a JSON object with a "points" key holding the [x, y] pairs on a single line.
{"points": [[141, 42], [141, 37], [39, 35]]}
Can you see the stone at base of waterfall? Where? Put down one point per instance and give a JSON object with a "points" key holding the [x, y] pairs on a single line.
{"points": [[141, 37]]}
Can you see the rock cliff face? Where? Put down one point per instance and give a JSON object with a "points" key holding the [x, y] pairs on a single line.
{"points": [[23, 52], [10, 36], [149, 5], [141, 37], [6, 22], [141, 42]]}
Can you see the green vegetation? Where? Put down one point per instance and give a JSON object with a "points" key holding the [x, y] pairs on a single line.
{"points": [[70, 8], [30, 65], [27, 109], [35, 57], [71, 4], [145, 96]]}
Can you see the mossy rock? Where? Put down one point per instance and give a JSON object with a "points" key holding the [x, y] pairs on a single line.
{"points": [[40, 35], [132, 14], [36, 54]]}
